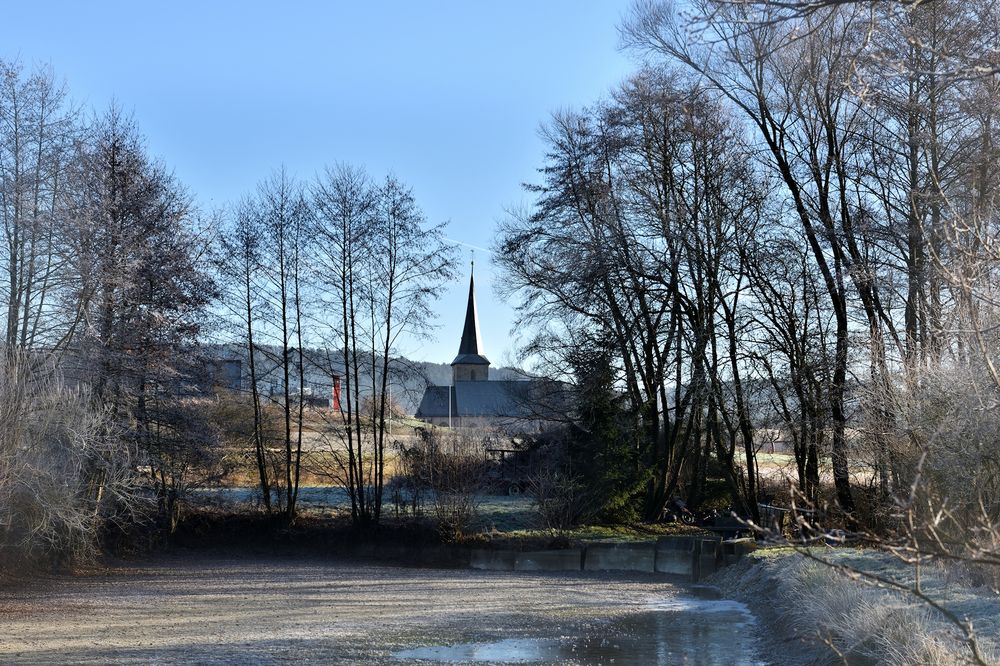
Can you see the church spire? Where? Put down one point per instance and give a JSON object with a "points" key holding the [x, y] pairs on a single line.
{"points": [[470, 334], [470, 364]]}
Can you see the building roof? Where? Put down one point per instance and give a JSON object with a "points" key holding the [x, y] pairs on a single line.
{"points": [[470, 349], [495, 399]]}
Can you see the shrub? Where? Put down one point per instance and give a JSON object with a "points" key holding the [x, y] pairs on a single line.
{"points": [[447, 468], [561, 500], [64, 472]]}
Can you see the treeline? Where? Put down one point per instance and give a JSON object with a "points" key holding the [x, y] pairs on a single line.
{"points": [[784, 222], [112, 281]]}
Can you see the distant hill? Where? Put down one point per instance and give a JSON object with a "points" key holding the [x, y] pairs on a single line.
{"points": [[409, 378]]}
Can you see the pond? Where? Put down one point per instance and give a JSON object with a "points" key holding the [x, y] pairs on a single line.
{"points": [[678, 630], [191, 608]]}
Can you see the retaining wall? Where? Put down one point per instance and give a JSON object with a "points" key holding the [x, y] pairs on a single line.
{"points": [[620, 557], [693, 557], [674, 556], [549, 560]]}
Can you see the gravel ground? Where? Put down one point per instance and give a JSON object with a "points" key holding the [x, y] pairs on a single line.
{"points": [[199, 609]]}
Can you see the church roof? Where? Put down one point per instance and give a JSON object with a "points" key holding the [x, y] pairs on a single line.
{"points": [[470, 349], [495, 399]]}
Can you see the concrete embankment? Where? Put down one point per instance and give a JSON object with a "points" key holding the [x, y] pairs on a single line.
{"points": [[690, 556]]}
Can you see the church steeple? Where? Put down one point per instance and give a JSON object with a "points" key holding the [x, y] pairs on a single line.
{"points": [[470, 334], [470, 364]]}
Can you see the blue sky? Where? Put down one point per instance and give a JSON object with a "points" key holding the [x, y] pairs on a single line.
{"points": [[447, 95]]}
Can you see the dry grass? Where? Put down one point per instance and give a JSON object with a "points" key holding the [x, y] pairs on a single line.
{"points": [[849, 621], [862, 622], [243, 473]]}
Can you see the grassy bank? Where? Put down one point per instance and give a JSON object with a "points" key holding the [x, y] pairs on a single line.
{"points": [[839, 616]]}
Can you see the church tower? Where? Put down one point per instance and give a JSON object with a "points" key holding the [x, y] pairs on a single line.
{"points": [[470, 365]]}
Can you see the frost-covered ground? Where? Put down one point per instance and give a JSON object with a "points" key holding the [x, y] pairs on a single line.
{"points": [[804, 602], [221, 610], [493, 511]]}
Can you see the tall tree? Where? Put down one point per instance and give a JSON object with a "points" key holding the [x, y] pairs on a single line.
{"points": [[795, 91], [283, 212], [344, 205], [410, 262], [37, 131], [141, 268], [240, 264]]}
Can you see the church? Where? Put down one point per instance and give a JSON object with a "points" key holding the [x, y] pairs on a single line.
{"points": [[472, 399]]}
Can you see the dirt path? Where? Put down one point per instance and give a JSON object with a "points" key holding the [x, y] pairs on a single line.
{"points": [[195, 609]]}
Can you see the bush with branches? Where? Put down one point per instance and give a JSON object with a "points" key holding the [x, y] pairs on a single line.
{"points": [[64, 472], [447, 468]]}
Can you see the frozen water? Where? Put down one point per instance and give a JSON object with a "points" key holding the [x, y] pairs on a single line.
{"points": [[678, 630]]}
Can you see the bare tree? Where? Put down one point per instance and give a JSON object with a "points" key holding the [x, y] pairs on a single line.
{"points": [[797, 97], [892, 19], [37, 131], [240, 264], [411, 260], [791, 344], [344, 203], [281, 212], [378, 266]]}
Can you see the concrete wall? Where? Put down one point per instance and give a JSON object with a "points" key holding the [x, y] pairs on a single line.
{"points": [[674, 556], [734, 549], [492, 560], [620, 557], [692, 557], [707, 557], [549, 560]]}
